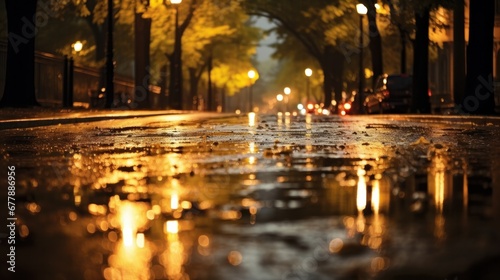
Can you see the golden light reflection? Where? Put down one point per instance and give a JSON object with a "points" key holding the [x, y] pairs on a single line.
{"points": [[251, 147], [440, 188], [203, 240], [378, 264], [174, 200], [128, 225], [251, 119], [96, 209], [335, 245], [251, 160], [174, 256], [361, 191], [171, 226], [234, 258], [376, 196], [203, 245], [465, 188], [132, 254], [77, 192], [288, 119]]}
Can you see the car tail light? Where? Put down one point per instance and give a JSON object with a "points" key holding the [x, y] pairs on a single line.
{"points": [[429, 92]]}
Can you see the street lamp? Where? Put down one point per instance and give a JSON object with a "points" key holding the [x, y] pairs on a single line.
{"points": [[251, 75], [308, 73], [78, 46], [175, 90], [362, 10], [287, 92], [110, 90]]}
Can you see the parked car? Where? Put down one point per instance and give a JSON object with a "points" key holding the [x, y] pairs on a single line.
{"points": [[392, 94]]}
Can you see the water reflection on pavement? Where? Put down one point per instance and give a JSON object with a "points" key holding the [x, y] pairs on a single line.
{"points": [[277, 197]]}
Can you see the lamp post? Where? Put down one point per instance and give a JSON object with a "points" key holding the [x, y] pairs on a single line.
{"points": [[175, 89], [110, 90], [308, 73], [280, 98], [287, 92], [251, 75], [362, 10]]}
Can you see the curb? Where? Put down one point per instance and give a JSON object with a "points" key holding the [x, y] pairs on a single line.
{"points": [[37, 122]]}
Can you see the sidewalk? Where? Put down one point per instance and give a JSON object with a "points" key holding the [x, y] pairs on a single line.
{"points": [[41, 116]]}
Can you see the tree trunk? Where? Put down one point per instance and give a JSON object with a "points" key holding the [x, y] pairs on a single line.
{"points": [[338, 76], [479, 97], [193, 88], [328, 76], [176, 79], [375, 43], [20, 76], [402, 37], [100, 48], [458, 52], [421, 101], [142, 61]]}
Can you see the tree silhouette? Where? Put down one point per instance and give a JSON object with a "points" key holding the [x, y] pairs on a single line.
{"points": [[20, 77], [479, 97]]}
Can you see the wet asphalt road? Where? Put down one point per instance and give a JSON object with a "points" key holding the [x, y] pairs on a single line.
{"points": [[205, 196]]}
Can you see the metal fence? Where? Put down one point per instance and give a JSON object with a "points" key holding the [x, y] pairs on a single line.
{"points": [[49, 70]]}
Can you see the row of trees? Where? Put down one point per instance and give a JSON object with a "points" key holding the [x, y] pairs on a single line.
{"points": [[216, 36], [328, 32]]}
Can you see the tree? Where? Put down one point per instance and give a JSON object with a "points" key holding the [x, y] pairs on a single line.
{"points": [[402, 17], [325, 30], [479, 97], [20, 77], [213, 26], [421, 101], [458, 52], [375, 43], [216, 28]]}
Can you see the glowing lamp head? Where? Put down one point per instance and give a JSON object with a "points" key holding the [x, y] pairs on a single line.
{"points": [[251, 74], [361, 9], [308, 72], [78, 46], [175, 2]]}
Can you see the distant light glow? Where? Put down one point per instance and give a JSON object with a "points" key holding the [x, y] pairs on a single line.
{"points": [[251, 74], [172, 226], [361, 9], [279, 97], [308, 72], [175, 1], [78, 46], [287, 90]]}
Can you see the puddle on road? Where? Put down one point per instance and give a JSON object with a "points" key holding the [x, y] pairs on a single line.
{"points": [[270, 200]]}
